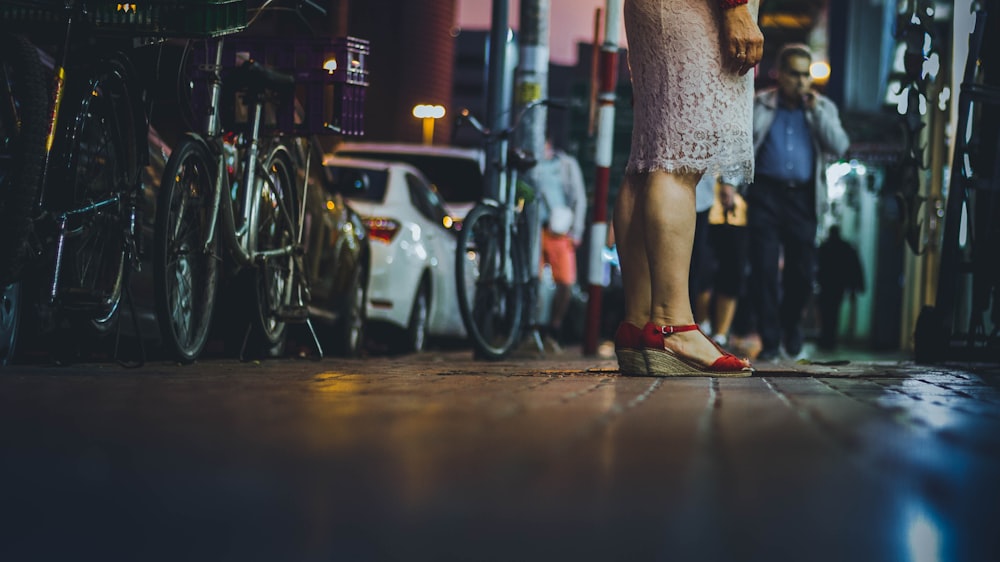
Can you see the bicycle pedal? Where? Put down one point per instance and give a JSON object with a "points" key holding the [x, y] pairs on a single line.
{"points": [[292, 314]]}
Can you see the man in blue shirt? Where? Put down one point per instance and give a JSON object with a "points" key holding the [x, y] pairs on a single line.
{"points": [[795, 130]]}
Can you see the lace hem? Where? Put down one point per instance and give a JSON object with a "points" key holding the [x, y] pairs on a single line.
{"points": [[739, 170]]}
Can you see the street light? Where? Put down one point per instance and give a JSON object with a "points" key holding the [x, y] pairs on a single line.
{"points": [[428, 113]]}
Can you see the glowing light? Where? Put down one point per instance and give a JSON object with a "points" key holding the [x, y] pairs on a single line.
{"points": [[923, 539], [892, 94], [427, 111], [330, 65], [963, 241], [899, 60], [835, 174], [331, 205], [447, 221], [943, 98], [932, 65], [820, 70]]}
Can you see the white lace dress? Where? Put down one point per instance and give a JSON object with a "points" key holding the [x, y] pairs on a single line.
{"points": [[690, 115]]}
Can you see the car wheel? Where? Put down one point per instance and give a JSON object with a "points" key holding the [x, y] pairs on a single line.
{"points": [[420, 314], [349, 338]]}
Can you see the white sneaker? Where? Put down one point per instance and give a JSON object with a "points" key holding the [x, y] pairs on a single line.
{"points": [[551, 345], [721, 339]]}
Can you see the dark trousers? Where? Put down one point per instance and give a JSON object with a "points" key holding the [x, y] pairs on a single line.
{"points": [[829, 317], [781, 220], [702, 260]]}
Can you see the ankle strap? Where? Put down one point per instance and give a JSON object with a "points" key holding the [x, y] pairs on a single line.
{"points": [[667, 330]]}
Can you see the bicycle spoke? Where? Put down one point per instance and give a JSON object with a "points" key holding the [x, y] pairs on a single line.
{"points": [[276, 231], [492, 313], [185, 260]]}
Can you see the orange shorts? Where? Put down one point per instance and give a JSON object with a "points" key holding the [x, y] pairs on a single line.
{"points": [[559, 252]]}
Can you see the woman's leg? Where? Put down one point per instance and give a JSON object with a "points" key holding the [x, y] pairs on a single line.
{"points": [[667, 205], [629, 225]]}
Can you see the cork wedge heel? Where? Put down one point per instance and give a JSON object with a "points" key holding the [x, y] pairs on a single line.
{"points": [[628, 349], [661, 362]]}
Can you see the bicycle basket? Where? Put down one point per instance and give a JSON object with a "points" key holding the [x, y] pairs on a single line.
{"points": [[331, 75], [147, 18]]}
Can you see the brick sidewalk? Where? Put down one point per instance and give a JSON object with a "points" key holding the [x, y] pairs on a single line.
{"points": [[439, 457]]}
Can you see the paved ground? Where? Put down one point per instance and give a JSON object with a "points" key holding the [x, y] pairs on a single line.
{"points": [[437, 457]]}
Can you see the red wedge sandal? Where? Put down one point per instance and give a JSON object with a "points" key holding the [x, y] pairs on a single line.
{"points": [[628, 349], [662, 362]]}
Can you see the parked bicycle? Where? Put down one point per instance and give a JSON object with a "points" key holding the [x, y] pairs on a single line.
{"points": [[229, 190], [72, 144], [491, 257]]}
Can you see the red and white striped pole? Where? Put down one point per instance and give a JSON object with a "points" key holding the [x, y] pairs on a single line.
{"points": [[605, 141]]}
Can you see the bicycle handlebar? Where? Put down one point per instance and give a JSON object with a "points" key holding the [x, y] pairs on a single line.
{"points": [[267, 7], [466, 116]]}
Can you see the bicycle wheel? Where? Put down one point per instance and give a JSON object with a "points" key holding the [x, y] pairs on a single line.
{"points": [[185, 270], [22, 147], [10, 321], [99, 142], [491, 302], [275, 281]]}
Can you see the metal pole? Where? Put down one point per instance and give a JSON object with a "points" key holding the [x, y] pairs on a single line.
{"points": [[495, 110], [533, 72], [605, 139], [594, 69], [532, 84]]}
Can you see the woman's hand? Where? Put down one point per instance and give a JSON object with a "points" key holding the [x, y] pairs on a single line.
{"points": [[742, 41], [727, 197]]}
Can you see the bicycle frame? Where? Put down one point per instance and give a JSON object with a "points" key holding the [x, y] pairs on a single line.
{"points": [[494, 312], [62, 219], [247, 205], [240, 238], [507, 188]]}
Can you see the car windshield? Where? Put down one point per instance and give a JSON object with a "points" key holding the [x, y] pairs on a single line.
{"points": [[458, 180], [359, 183]]}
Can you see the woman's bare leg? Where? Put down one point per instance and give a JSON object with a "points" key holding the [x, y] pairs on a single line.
{"points": [[667, 205], [629, 225]]}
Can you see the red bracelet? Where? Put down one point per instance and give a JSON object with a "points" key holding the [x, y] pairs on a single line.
{"points": [[727, 4]]}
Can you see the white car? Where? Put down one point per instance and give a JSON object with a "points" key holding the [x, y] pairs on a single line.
{"points": [[457, 173], [412, 278]]}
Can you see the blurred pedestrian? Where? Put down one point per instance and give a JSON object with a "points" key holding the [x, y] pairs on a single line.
{"points": [[729, 241], [563, 210], [839, 273], [703, 262], [795, 129]]}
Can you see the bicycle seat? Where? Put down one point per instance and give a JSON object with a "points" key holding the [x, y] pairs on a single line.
{"points": [[521, 160], [256, 78]]}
